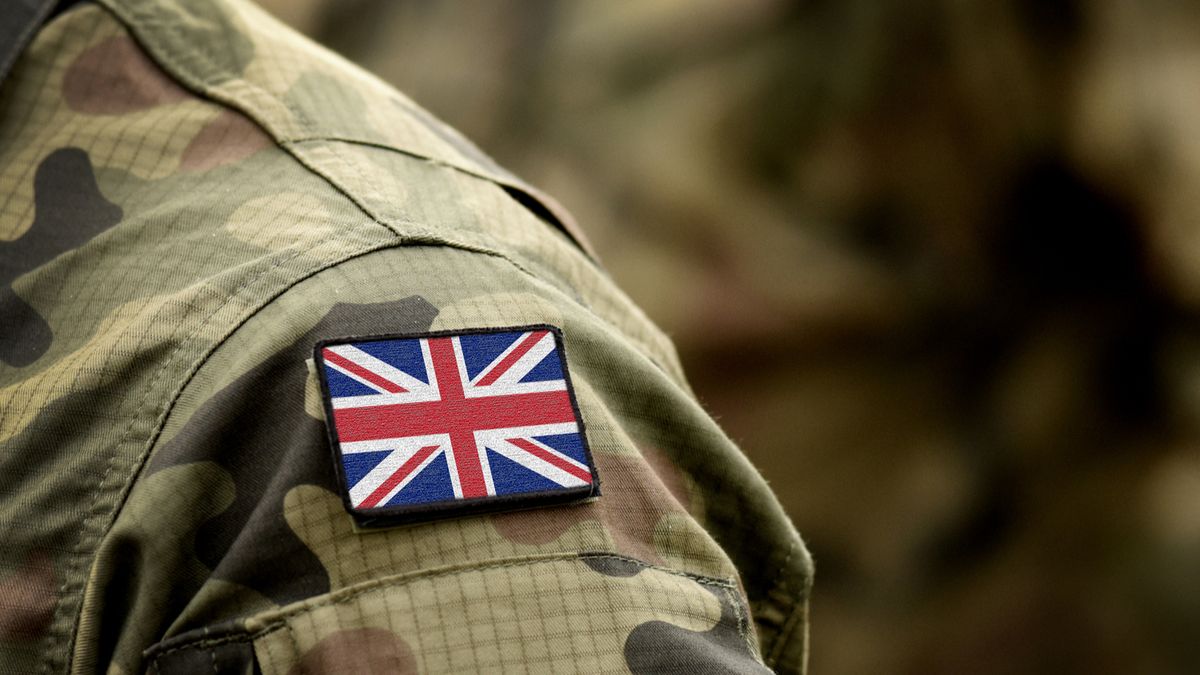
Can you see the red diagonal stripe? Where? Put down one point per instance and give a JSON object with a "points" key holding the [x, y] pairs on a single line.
{"points": [[515, 355], [396, 478], [541, 453], [345, 363]]}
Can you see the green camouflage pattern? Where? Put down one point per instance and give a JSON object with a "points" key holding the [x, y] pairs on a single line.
{"points": [[950, 247], [194, 195]]}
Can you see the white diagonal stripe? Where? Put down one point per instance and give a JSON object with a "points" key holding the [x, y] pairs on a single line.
{"points": [[496, 361], [536, 464], [384, 370], [402, 450], [376, 477], [557, 453], [354, 376], [528, 361]]}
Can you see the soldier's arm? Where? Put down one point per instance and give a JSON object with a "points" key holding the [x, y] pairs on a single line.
{"points": [[683, 560], [228, 198]]}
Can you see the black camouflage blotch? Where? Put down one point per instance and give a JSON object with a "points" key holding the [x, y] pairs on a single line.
{"points": [[256, 428], [69, 210], [65, 422], [659, 647], [24, 334], [219, 658], [613, 566]]}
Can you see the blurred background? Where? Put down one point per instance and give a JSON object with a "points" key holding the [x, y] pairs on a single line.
{"points": [[935, 264]]}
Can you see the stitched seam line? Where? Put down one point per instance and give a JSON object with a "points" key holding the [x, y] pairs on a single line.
{"points": [[743, 623], [212, 654], [182, 71], [782, 635], [295, 645], [577, 241], [101, 486], [139, 462], [348, 594], [783, 584], [349, 140]]}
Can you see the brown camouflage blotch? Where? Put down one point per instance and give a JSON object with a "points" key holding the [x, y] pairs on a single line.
{"points": [[228, 138], [27, 599], [540, 526], [672, 478], [629, 508], [115, 77], [359, 650]]}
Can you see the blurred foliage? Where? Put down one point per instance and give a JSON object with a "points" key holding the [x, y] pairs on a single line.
{"points": [[936, 265]]}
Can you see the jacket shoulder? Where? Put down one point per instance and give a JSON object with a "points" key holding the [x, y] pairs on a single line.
{"points": [[336, 118]]}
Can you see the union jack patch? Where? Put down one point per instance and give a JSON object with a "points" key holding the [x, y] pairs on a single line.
{"points": [[446, 424]]}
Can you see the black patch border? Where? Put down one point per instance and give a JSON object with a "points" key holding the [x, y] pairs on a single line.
{"points": [[407, 515]]}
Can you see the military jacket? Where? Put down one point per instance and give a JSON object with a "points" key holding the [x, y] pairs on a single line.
{"points": [[192, 197]]}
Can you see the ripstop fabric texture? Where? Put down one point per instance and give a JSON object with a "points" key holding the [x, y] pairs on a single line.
{"points": [[191, 198]]}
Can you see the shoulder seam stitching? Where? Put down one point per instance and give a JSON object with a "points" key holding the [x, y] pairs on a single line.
{"points": [[134, 22], [186, 76]]}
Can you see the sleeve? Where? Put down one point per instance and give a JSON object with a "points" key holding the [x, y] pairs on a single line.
{"points": [[234, 550]]}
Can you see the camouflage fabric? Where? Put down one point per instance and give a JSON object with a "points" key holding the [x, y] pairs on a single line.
{"points": [[933, 264], [192, 196]]}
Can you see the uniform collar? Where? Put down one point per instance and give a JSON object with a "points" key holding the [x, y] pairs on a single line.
{"points": [[19, 22]]}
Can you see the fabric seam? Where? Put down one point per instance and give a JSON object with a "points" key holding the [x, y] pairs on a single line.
{"points": [[408, 153], [742, 621], [344, 595], [177, 67], [782, 583], [785, 633], [92, 514]]}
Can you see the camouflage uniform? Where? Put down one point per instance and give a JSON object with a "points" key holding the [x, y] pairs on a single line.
{"points": [[191, 196]]}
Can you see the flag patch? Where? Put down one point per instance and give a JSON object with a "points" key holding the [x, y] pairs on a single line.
{"points": [[446, 424]]}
